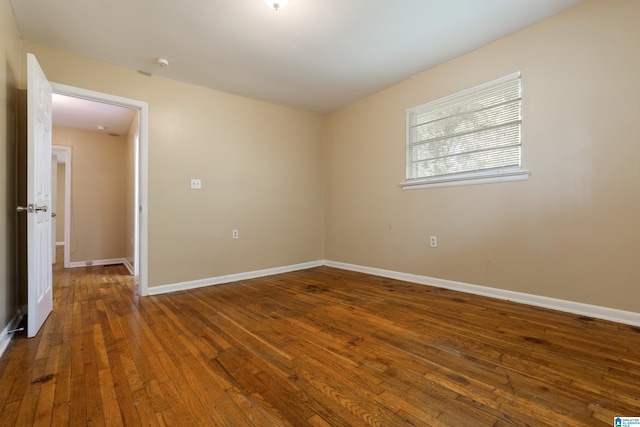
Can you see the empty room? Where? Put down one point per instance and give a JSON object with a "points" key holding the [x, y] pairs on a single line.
{"points": [[320, 213]]}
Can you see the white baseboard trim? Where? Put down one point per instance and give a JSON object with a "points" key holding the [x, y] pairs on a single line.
{"points": [[112, 261], [163, 289], [129, 266], [5, 338], [614, 315], [59, 243]]}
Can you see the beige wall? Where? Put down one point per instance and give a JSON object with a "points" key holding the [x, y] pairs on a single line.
{"points": [[571, 232], [98, 193], [60, 212], [260, 166], [9, 74]]}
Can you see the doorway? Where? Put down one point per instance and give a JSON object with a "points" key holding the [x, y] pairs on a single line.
{"points": [[138, 208], [61, 227]]}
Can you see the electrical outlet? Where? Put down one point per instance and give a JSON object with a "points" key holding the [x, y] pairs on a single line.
{"points": [[234, 234], [196, 184], [433, 241]]}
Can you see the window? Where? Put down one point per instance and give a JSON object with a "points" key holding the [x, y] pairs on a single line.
{"points": [[470, 137]]}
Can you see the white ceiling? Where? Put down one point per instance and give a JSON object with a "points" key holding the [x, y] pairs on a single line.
{"points": [[77, 113], [317, 55]]}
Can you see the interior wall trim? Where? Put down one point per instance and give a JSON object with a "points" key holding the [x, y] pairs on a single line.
{"points": [[78, 264], [127, 263], [599, 312], [5, 338], [605, 313], [163, 289]]}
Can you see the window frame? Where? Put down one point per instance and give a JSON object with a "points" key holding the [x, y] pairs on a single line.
{"points": [[482, 176]]}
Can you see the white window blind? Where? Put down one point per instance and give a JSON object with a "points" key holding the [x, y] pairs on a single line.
{"points": [[470, 134]]}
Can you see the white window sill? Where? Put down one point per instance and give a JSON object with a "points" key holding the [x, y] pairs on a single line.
{"points": [[511, 176]]}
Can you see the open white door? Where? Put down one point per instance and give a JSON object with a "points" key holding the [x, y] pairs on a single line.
{"points": [[39, 245]]}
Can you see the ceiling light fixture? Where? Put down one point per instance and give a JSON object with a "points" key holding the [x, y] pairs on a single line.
{"points": [[276, 4], [164, 63]]}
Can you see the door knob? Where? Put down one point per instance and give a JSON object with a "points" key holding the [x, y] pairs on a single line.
{"points": [[32, 208], [28, 208]]}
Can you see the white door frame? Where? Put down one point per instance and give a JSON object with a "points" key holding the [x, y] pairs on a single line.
{"points": [[67, 200], [141, 178], [54, 202]]}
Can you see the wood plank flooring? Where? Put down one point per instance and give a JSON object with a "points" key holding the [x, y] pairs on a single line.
{"points": [[320, 347]]}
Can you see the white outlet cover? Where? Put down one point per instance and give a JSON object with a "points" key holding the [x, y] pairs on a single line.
{"points": [[196, 184]]}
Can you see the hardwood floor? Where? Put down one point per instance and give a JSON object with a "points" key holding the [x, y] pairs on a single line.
{"points": [[321, 347]]}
